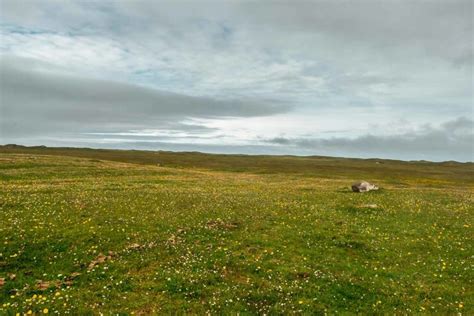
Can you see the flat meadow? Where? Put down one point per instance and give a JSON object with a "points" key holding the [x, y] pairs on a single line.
{"points": [[87, 231]]}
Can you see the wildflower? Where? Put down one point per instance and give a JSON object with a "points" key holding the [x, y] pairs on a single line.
{"points": [[45, 311]]}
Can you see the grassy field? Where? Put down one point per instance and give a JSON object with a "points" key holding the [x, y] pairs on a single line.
{"points": [[85, 231]]}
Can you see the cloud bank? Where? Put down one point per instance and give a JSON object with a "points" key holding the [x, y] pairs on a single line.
{"points": [[450, 140], [38, 100]]}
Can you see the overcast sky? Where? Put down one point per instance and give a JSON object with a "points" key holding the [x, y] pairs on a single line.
{"points": [[388, 79]]}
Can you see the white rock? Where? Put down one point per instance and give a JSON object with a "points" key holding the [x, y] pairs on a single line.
{"points": [[364, 186]]}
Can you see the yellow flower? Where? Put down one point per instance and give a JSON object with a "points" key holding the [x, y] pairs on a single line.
{"points": [[45, 311], [29, 312], [57, 294]]}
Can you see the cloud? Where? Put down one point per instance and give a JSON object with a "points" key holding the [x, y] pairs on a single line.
{"points": [[437, 27], [37, 100], [355, 51], [451, 140]]}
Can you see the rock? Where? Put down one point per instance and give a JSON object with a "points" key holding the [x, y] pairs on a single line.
{"points": [[364, 186]]}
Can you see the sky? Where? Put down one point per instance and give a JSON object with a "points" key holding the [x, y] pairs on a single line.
{"points": [[387, 79]]}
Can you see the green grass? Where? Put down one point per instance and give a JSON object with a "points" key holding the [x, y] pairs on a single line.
{"points": [[232, 234]]}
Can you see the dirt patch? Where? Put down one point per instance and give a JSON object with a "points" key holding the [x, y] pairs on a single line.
{"points": [[101, 258]]}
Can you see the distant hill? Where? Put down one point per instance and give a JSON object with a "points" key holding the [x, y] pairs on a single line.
{"points": [[318, 166]]}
